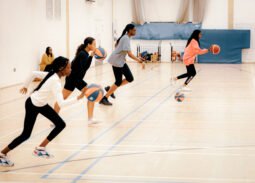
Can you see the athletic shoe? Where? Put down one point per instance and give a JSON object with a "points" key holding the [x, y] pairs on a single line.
{"points": [[105, 101], [93, 121], [42, 153], [5, 162], [186, 89], [107, 89]]}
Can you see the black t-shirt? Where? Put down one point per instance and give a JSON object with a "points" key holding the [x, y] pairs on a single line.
{"points": [[80, 65]]}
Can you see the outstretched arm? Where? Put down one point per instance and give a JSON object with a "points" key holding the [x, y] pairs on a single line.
{"points": [[30, 78]]}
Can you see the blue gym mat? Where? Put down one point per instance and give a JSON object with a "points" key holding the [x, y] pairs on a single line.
{"points": [[231, 41]]}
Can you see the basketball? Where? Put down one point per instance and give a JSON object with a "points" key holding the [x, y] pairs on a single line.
{"points": [[179, 97], [100, 54], [215, 49], [94, 93], [128, 91]]}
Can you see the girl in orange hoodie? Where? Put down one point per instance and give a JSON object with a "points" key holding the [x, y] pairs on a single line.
{"points": [[191, 51]]}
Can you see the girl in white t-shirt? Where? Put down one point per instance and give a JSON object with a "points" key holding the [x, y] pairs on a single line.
{"points": [[37, 103]]}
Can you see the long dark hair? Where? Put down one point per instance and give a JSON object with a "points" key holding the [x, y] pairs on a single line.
{"points": [[57, 65], [127, 29], [88, 40], [194, 35], [47, 51]]}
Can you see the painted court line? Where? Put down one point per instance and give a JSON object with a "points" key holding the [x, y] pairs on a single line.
{"points": [[19, 112], [123, 137], [179, 151], [101, 134], [145, 178]]}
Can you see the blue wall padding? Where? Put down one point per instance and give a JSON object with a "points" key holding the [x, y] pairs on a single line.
{"points": [[231, 42], [165, 31]]}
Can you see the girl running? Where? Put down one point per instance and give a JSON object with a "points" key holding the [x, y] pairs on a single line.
{"points": [[191, 51], [80, 65], [37, 103], [119, 65]]}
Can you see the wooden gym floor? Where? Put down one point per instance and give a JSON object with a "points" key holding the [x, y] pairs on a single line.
{"points": [[146, 136]]}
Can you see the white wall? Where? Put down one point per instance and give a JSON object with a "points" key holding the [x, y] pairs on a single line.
{"points": [[90, 19], [244, 18], [216, 15], [123, 14], [26, 31], [154, 9]]}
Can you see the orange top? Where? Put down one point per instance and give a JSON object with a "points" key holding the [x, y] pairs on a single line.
{"points": [[191, 51]]}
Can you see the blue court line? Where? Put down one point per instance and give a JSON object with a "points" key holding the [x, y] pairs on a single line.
{"points": [[70, 117], [101, 134], [122, 138]]}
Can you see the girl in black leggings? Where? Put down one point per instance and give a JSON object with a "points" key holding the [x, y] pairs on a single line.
{"points": [[37, 104], [191, 72], [80, 65], [118, 61], [191, 51]]}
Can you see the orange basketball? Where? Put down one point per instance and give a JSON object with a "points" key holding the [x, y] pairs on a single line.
{"points": [[94, 93], [215, 49]]}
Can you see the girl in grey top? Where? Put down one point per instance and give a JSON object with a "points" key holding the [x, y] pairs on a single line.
{"points": [[118, 61]]}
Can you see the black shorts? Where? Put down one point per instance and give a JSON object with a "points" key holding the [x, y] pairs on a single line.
{"points": [[119, 71], [72, 83]]}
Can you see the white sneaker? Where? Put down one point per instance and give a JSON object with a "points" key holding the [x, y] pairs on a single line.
{"points": [[42, 153], [186, 89], [93, 121], [4, 161]]}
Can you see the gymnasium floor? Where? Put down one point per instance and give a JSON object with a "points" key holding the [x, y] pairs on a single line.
{"points": [[146, 136]]}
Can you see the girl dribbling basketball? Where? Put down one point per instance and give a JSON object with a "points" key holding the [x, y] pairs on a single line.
{"points": [[191, 51]]}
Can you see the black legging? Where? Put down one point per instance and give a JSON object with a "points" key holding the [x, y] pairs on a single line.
{"points": [[30, 118], [119, 71], [191, 72]]}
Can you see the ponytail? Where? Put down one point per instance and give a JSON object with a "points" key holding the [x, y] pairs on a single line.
{"points": [[127, 29], [79, 49], [57, 65], [88, 40]]}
